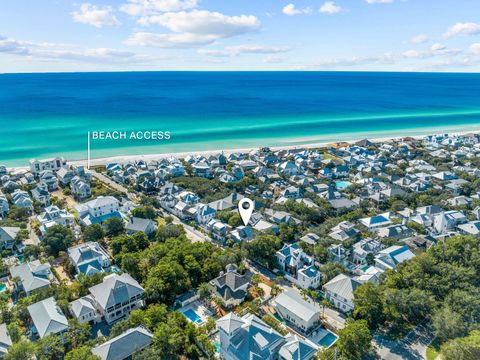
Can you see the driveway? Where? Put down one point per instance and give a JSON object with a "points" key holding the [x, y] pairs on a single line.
{"points": [[412, 347]]}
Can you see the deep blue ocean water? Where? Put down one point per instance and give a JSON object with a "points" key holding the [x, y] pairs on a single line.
{"points": [[42, 115]]}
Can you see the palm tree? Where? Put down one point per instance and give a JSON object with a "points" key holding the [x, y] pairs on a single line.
{"points": [[204, 292], [324, 303]]}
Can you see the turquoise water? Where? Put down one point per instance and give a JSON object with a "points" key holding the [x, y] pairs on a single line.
{"points": [[193, 316], [3, 287], [43, 115], [328, 340], [342, 184]]}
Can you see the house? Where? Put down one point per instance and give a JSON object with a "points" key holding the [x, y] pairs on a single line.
{"points": [[447, 221], [376, 221], [136, 224], [7, 236], [339, 291], [54, 216], [302, 315], [36, 166], [470, 228], [297, 266], [89, 258], [394, 231], [288, 168], [242, 233], [123, 346], [49, 178], [364, 247], [219, 230], [4, 207], [41, 194], [84, 310], [81, 189], [230, 286], [390, 257], [47, 318], [31, 276], [116, 296], [5, 340], [310, 238], [22, 200], [99, 210], [344, 231], [65, 176], [248, 337]]}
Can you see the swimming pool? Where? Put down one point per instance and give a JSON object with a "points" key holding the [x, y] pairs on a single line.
{"points": [[3, 287], [342, 184], [193, 316], [217, 347], [328, 340]]}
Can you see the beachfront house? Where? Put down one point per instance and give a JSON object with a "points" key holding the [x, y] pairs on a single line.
{"points": [[36, 166]]}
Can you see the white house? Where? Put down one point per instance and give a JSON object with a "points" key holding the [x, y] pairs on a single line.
{"points": [[339, 291], [298, 266], [36, 166], [99, 210], [389, 258], [52, 216], [301, 314]]}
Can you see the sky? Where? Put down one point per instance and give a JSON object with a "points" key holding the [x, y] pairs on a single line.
{"points": [[140, 35]]}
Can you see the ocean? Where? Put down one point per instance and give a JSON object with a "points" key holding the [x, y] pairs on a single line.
{"points": [[43, 115]]}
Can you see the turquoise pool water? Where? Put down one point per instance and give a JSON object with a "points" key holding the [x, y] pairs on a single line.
{"points": [[328, 340], [342, 184], [3, 287], [193, 316], [217, 347]]}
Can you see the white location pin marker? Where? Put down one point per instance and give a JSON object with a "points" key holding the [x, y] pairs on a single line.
{"points": [[245, 208]]}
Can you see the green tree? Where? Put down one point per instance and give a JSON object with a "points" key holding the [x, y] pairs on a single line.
{"points": [[21, 350], [114, 226], [263, 248], [369, 302], [81, 353], [467, 348], [78, 333], [354, 340], [144, 212], [58, 238], [93, 233], [50, 348], [168, 231], [447, 324]]}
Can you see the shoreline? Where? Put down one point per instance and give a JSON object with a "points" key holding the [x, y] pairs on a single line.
{"points": [[102, 161]]}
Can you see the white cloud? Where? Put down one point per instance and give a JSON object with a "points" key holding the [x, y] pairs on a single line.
{"points": [[194, 28], [257, 49], [475, 49], [145, 7], [273, 60], [329, 7], [437, 47], [411, 54], [186, 40], [244, 49], [96, 16], [462, 29], [292, 10], [52, 51], [419, 39], [379, 1]]}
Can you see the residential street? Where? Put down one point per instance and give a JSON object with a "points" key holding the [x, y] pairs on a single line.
{"points": [[412, 347]]}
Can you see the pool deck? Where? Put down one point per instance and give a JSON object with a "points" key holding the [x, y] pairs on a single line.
{"points": [[200, 309]]}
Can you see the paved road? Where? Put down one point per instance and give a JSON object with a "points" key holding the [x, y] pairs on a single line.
{"points": [[412, 347]]}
